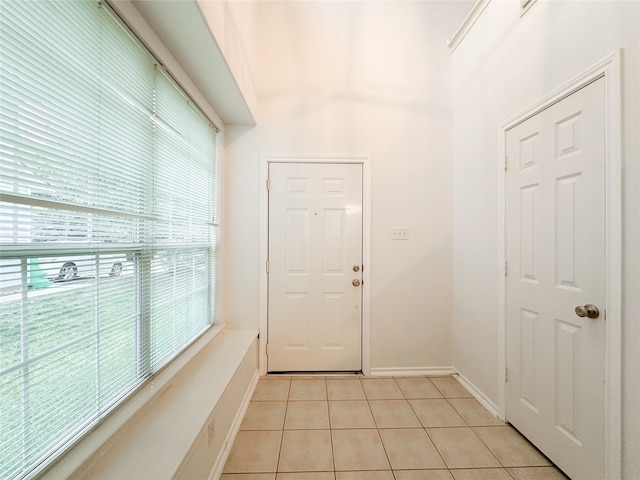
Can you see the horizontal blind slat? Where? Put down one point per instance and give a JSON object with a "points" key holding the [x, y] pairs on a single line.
{"points": [[107, 172]]}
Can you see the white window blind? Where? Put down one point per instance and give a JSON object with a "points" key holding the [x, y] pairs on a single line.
{"points": [[107, 228]]}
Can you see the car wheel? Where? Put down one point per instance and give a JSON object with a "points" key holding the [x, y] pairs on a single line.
{"points": [[116, 269], [68, 271]]}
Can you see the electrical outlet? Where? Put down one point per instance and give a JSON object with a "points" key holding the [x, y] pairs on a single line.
{"points": [[400, 234]]}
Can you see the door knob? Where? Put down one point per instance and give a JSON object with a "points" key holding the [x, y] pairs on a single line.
{"points": [[356, 268], [590, 311], [356, 282]]}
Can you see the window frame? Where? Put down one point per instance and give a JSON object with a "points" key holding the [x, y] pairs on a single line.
{"points": [[142, 253]]}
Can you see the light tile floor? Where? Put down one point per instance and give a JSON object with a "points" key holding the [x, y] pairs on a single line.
{"points": [[358, 428]]}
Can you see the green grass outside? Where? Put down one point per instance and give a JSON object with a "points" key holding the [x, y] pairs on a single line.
{"points": [[67, 388]]}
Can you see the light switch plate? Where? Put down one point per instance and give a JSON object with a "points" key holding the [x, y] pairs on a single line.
{"points": [[400, 234]]}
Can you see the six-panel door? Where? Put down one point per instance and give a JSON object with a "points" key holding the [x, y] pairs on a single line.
{"points": [[315, 267], [555, 188]]}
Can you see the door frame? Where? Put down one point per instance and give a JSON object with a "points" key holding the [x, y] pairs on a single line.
{"points": [[365, 161], [609, 69]]}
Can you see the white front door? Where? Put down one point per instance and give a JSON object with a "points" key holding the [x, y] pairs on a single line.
{"points": [[315, 267], [555, 197]]}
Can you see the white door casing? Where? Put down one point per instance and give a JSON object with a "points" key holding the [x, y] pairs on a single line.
{"points": [[315, 255], [556, 255], [610, 70]]}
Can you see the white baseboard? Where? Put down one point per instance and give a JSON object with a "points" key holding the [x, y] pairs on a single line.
{"points": [[235, 428], [477, 393], [412, 371]]}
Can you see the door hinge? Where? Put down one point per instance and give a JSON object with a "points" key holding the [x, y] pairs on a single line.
{"points": [[267, 265], [268, 184], [506, 269], [505, 163], [506, 375]]}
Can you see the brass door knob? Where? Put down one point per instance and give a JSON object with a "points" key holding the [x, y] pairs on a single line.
{"points": [[356, 282], [590, 311]]}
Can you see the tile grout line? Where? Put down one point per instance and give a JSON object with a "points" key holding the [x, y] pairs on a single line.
{"points": [[448, 399], [333, 455], [378, 430], [284, 420], [410, 406], [472, 428], [423, 427]]}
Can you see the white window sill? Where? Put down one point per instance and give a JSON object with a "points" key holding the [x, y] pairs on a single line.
{"points": [[151, 434]]}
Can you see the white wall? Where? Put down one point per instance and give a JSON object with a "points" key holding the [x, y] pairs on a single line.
{"points": [[356, 78], [504, 64]]}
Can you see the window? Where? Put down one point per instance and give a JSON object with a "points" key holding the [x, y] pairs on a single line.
{"points": [[107, 223]]}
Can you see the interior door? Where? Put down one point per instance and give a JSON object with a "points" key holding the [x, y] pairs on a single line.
{"points": [[315, 267], [555, 187]]}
